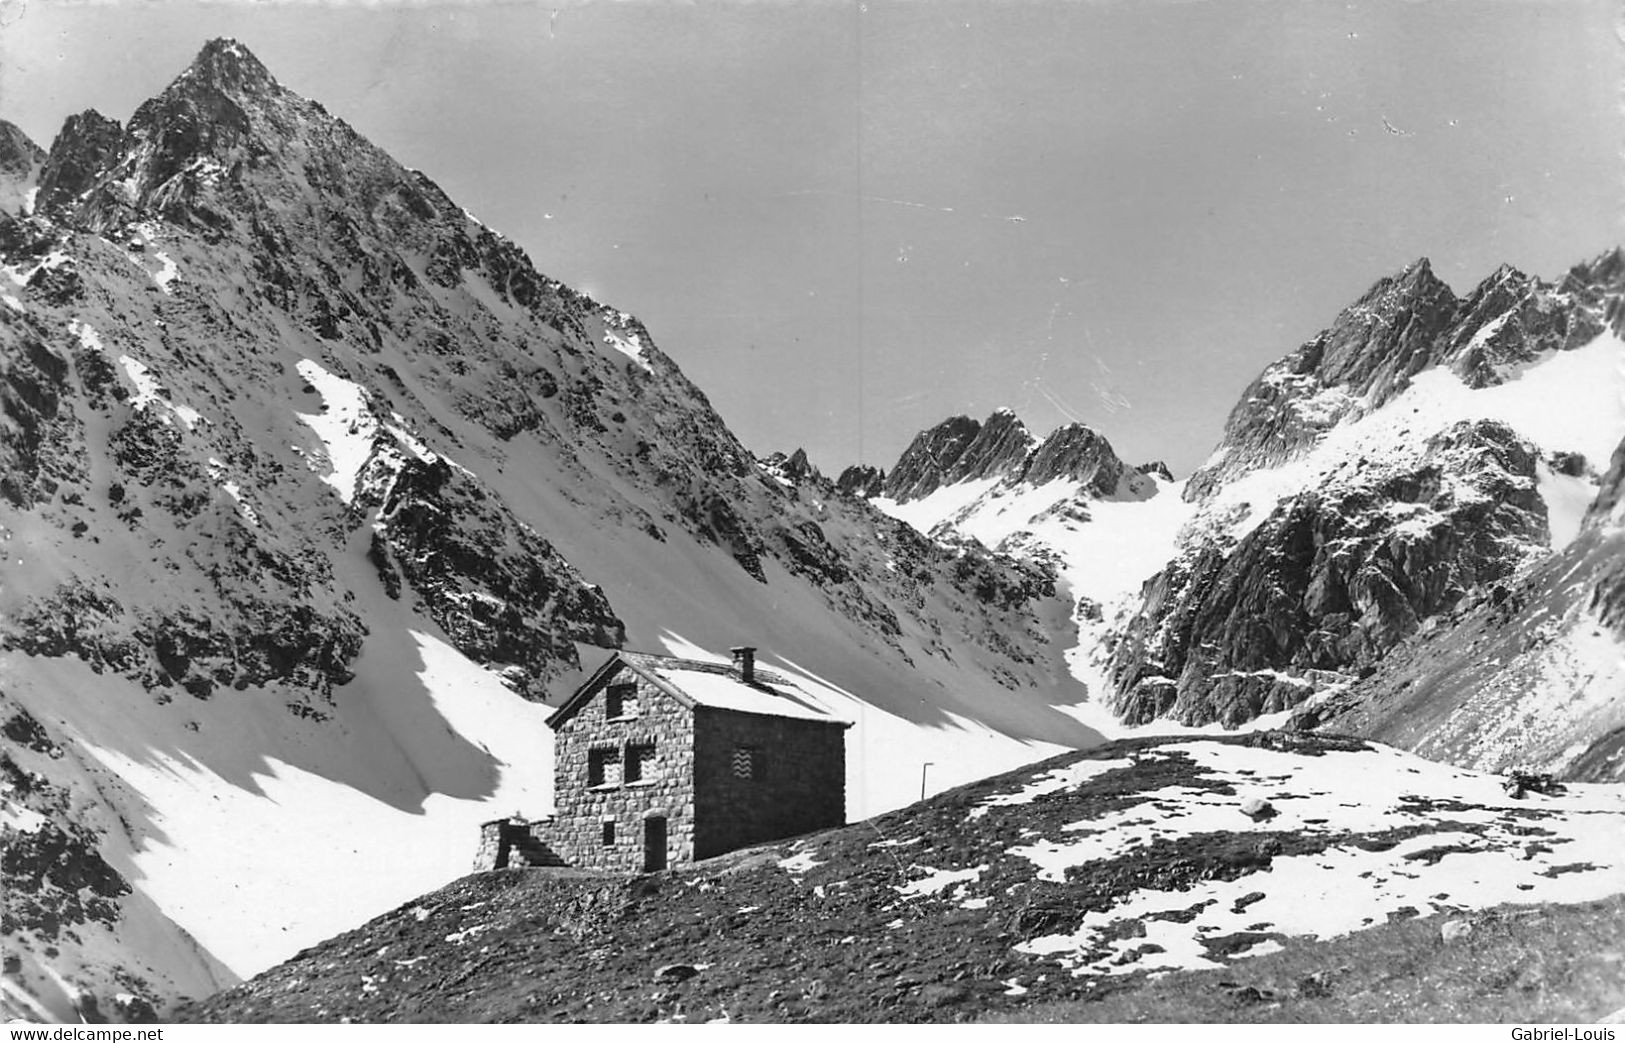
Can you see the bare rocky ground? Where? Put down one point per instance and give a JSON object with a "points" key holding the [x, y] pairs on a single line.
{"points": [[950, 910], [1541, 964]]}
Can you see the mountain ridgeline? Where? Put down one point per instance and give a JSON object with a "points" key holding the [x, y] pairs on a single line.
{"points": [[297, 460]]}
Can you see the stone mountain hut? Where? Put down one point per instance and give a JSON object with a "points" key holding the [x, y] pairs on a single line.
{"points": [[660, 762]]}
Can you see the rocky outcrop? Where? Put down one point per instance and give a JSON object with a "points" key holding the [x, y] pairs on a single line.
{"points": [[32, 383], [500, 591], [861, 481], [1330, 581], [86, 147], [1080, 454], [1522, 675]]}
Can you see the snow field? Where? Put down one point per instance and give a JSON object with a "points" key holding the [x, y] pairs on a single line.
{"points": [[1569, 848], [257, 863]]}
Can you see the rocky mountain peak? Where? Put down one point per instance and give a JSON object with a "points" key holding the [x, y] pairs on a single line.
{"points": [[227, 66], [927, 460], [1080, 453], [1414, 285], [225, 100], [87, 144], [1396, 329]]}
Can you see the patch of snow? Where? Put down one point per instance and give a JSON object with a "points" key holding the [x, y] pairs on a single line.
{"points": [[166, 272], [630, 345], [146, 387], [1567, 498], [89, 339], [20, 818], [938, 880], [800, 862], [941, 504], [1069, 777], [346, 426], [13, 303]]}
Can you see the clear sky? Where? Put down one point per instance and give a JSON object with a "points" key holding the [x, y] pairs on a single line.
{"points": [[848, 221]]}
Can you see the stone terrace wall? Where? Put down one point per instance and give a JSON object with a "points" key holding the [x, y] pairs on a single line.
{"points": [[800, 785], [666, 788], [511, 843]]}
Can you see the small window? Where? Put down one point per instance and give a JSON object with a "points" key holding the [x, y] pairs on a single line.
{"points": [[639, 762], [603, 767], [747, 763], [621, 700], [609, 834]]}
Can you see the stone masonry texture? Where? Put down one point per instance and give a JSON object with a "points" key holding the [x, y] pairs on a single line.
{"points": [[691, 777]]}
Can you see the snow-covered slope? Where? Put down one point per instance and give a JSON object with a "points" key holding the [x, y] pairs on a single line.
{"points": [[313, 487], [1066, 500]]}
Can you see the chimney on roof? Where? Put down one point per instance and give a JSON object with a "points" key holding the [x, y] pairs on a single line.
{"points": [[745, 663]]}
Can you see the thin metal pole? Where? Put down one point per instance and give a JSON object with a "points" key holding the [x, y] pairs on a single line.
{"points": [[924, 766]]}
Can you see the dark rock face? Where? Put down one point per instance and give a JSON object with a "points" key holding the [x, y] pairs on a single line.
{"points": [[1509, 319], [1330, 581], [1080, 454], [1158, 468], [444, 534], [999, 448], [930, 458], [861, 481], [86, 147], [31, 389]]}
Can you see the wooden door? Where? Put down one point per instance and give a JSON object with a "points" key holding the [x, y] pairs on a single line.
{"points": [[654, 844]]}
